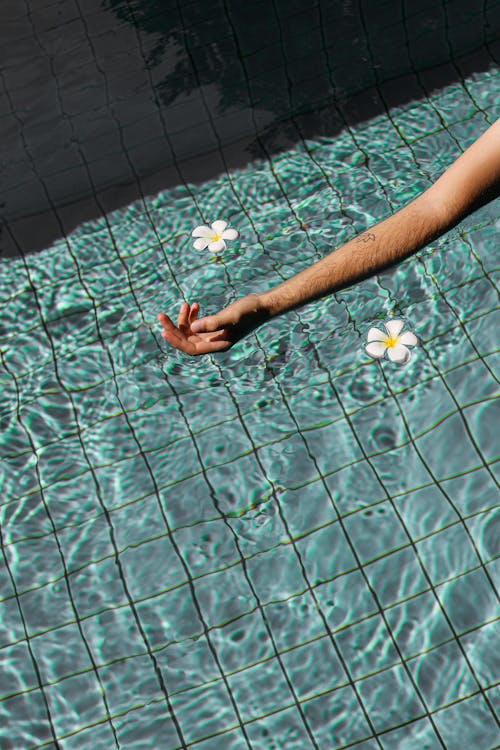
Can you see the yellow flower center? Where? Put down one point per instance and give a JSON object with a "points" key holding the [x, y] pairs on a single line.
{"points": [[391, 341], [216, 238]]}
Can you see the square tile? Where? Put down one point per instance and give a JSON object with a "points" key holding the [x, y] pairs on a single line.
{"points": [[419, 624], [211, 705], [468, 600], [482, 421], [294, 621], [442, 676], [426, 510], [471, 492], [61, 653], [223, 596], [444, 463], [137, 522], [414, 736], [288, 463], [354, 487], [204, 547], [152, 567], [366, 647], [189, 501], [396, 577], [468, 723], [402, 469], [261, 689], [100, 737], [85, 543], [379, 427], [325, 554], [287, 579], [97, 587], [447, 553], [17, 670], [390, 699], [75, 702], [113, 634], [47, 608], [314, 664], [336, 719], [308, 507], [24, 719], [146, 724], [132, 682], [376, 533], [341, 446], [484, 660], [286, 727], [34, 562], [345, 600]]}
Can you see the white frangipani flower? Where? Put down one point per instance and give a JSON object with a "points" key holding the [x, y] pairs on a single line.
{"points": [[392, 341], [213, 236]]}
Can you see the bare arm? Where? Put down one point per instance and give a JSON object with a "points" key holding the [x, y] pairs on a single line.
{"points": [[471, 181]]}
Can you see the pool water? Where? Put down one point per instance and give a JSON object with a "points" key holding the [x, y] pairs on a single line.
{"points": [[287, 545]]}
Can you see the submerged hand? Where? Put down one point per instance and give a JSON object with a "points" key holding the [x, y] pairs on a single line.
{"points": [[215, 333]]}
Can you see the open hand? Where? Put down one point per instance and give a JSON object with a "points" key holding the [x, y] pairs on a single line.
{"points": [[214, 333]]}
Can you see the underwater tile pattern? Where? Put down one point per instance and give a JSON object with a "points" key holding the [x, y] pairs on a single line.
{"points": [[287, 545]]}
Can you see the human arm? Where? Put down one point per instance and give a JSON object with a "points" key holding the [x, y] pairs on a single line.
{"points": [[471, 181]]}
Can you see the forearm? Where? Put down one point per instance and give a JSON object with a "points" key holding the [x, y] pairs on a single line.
{"points": [[471, 181], [383, 245]]}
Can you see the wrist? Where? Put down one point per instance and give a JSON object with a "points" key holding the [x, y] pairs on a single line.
{"points": [[268, 304]]}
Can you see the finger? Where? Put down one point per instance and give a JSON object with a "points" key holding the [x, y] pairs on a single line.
{"points": [[177, 339], [195, 309], [208, 324], [207, 346], [167, 324], [183, 319]]}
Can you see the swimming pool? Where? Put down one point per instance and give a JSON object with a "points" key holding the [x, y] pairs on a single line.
{"points": [[287, 545]]}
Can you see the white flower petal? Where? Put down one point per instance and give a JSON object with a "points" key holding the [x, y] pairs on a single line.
{"points": [[408, 338], [394, 327], [398, 353], [200, 243], [216, 247], [375, 334], [376, 349], [203, 231], [230, 234], [219, 226]]}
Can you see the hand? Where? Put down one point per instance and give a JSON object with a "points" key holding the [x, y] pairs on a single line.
{"points": [[215, 333]]}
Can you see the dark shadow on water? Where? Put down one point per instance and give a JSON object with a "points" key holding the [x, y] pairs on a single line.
{"points": [[180, 92]]}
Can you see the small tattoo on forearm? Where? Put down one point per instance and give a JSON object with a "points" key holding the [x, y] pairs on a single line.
{"points": [[365, 237]]}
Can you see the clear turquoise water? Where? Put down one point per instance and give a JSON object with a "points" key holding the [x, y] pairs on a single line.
{"points": [[288, 545]]}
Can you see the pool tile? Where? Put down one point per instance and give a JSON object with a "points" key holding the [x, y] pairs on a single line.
{"points": [[447, 553], [336, 719], [443, 676], [477, 646], [419, 624], [314, 664], [244, 641], [325, 553], [390, 699], [396, 576], [413, 736], [468, 723], [212, 706]]}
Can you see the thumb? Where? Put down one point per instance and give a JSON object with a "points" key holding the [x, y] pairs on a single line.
{"points": [[209, 324]]}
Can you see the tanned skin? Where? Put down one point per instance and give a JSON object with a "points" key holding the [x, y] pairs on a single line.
{"points": [[470, 182]]}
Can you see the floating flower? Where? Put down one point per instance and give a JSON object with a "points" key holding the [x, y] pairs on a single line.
{"points": [[213, 236], [393, 342]]}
